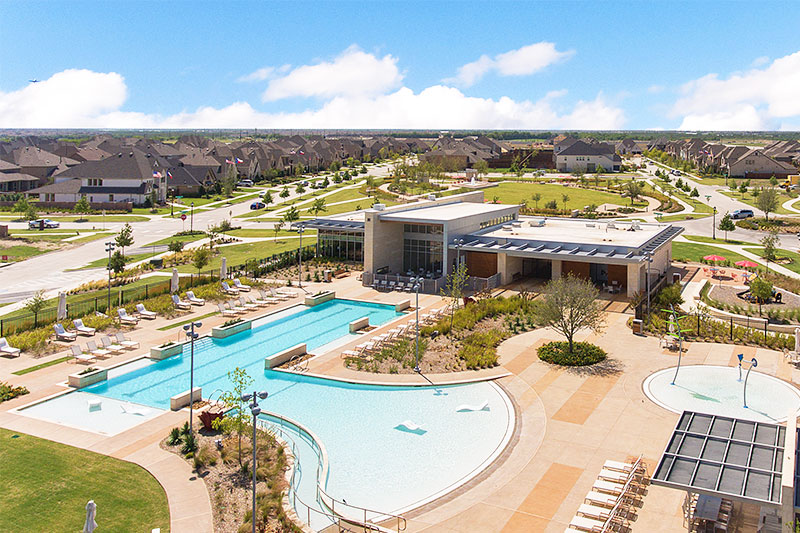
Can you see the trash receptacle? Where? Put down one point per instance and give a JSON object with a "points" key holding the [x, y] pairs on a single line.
{"points": [[637, 326], [326, 276], [676, 278], [157, 262]]}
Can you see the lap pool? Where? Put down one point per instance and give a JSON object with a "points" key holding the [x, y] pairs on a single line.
{"points": [[374, 461]]}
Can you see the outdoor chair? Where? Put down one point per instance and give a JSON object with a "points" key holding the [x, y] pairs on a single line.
{"points": [[180, 304], [227, 289], [7, 349], [246, 304], [239, 285], [62, 334], [194, 300], [391, 285], [92, 348], [111, 346], [225, 311], [125, 318], [81, 329], [79, 356], [258, 301], [144, 313], [288, 292], [237, 308], [125, 342], [267, 298], [601, 499], [278, 295]]}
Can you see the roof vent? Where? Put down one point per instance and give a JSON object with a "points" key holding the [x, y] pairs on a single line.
{"points": [[378, 207]]}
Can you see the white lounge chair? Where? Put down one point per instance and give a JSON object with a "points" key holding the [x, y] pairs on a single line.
{"points": [[241, 286], [288, 292], [125, 318], [228, 289], [92, 348], [610, 487], [238, 308], [7, 349], [612, 475], [278, 295], [144, 313], [267, 298], [261, 302], [109, 345], [225, 311], [62, 334], [194, 300], [601, 499], [80, 356], [125, 342], [81, 329], [618, 466], [581, 523], [180, 304], [593, 511], [133, 409], [247, 305]]}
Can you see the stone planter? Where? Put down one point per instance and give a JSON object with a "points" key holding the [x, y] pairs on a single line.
{"points": [[286, 355], [227, 331], [316, 299], [162, 352], [90, 378]]}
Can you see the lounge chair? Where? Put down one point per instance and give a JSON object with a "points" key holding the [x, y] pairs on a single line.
{"points": [[133, 409], [180, 304], [278, 295], [81, 329], [194, 300], [601, 499], [80, 356], [228, 289], [581, 523], [258, 301], [267, 298], [237, 308], [7, 349], [247, 305], [618, 466], [144, 313], [111, 346], [125, 318], [593, 511], [612, 475], [62, 334], [92, 348], [225, 311], [288, 292], [241, 286], [125, 342]]}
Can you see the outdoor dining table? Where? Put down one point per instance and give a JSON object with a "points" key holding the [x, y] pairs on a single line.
{"points": [[707, 507]]}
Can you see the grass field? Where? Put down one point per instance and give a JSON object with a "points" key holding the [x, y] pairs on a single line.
{"points": [[515, 193], [19, 252], [40, 366], [688, 251], [683, 216], [238, 254], [719, 240], [786, 258], [103, 261], [46, 486], [748, 199], [255, 232], [180, 238]]}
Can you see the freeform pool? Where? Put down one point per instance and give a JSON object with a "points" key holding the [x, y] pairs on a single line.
{"points": [[717, 390]]}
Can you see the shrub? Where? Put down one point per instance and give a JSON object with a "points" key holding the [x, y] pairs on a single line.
{"points": [[479, 350], [175, 437], [9, 392], [583, 353], [34, 340], [231, 322], [189, 444]]}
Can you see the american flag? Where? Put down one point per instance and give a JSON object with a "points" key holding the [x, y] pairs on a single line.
{"points": [[156, 174], [169, 175]]}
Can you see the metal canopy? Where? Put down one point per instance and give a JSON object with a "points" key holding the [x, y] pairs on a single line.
{"points": [[722, 456], [332, 224]]}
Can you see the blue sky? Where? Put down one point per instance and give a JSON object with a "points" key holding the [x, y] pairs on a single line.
{"points": [[445, 65]]}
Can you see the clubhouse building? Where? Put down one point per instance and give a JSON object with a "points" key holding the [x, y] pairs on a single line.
{"points": [[497, 244]]}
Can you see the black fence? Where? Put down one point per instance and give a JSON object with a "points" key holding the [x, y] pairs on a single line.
{"points": [[99, 301]]}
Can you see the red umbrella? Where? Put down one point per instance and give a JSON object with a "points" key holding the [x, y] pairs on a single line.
{"points": [[714, 258], [746, 264]]}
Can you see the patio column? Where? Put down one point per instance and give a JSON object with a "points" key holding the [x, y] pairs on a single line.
{"points": [[634, 278], [555, 268]]}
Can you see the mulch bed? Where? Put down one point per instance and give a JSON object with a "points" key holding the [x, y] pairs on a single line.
{"points": [[728, 294]]}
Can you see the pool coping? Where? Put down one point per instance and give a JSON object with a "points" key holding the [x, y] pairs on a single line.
{"points": [[464, 381], [646, 381]]}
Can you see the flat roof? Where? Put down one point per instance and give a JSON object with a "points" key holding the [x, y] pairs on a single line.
{"points": [[446, 212], [577, 231], [724, 456]]}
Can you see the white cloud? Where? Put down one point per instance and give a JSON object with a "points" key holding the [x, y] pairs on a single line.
{"points": [[353, 72], [81, 99], [520, 62], [755, 99], [655, 89], [759, 61], [263, 73]]}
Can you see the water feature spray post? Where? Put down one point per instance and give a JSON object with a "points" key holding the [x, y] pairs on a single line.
{"points": [[753, 364], [740, 356], [676, 332]]}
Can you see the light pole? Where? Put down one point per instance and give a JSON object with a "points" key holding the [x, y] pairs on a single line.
{"points": [[458, 243], [417, 283], [191, 218], [109, 248], [300, 230], [714, 225], [255, 410], [189, 329]]}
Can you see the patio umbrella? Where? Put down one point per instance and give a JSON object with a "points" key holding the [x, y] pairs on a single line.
{"points": [[746, 264], [61, 313], [91, 510], [714, 258], [174, 285], [223, 269]]}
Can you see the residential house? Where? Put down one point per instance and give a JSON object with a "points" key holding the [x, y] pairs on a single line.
{"points": [[581, 156]]}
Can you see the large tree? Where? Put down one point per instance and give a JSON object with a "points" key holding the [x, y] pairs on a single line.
{"points": [[570, 305], [633, 189], [767, 201]]}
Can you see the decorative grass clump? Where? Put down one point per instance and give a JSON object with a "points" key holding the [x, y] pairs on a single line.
{"points": [[583, 353]]}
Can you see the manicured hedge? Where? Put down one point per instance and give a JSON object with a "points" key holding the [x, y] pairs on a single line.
{"points": [[583, 353]]}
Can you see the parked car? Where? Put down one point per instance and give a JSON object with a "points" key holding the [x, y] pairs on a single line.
{"points": [[244, 183], [36, 224], [257, 205], [742, 213]]}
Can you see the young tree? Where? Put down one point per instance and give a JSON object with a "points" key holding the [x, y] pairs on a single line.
{"points": [[767, 201], [82, 206], [201, 258], [21, 206], [125, 237], [482, 168], [268, 197], [300, 189], [733, 186], [317, 206], [153, 198], [285, 192], [277, 226], [570, 305], [30, 213], [743, 188], [35, 305], [175, 246], [726, 224], [454, 288], [536, 197], [770, 244], [695, 193], [117, 263], [633, 189], [762, 290], [229, 180], [237, 418], [565, 199], [773, 181], [213, 234], [291, 215]]}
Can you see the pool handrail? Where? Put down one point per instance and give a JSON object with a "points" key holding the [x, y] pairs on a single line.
{"points": [[332, 503]]}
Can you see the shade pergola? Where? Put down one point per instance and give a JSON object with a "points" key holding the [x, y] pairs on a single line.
{"points": [[714, 258]]}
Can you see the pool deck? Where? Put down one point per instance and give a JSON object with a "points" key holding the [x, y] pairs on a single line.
{"points": [[569, 423]]}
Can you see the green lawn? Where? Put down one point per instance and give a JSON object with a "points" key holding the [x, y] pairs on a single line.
{"points": [[515, 193], [19, 252], [103, 261], [719, 240], [688, 251], [90, 238], [180, 238], [46, 486], [683, 216], [792, 264], [748, 199], [100, 218], [363, 203], [255, 232], [42, 365], [238, 254], [149, 211], [343, 195]]}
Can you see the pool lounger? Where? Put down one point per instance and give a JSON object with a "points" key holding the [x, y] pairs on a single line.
{"points": [[81, 329], [607, 486], [611, 475], [144, 313], [225, 311], [92, 348], [79, 356], [109, 345], [7, 349], [618, 466], [125, 342], [581, 523], [601, 498], [125, 318], [194, 300], [592, 511]]}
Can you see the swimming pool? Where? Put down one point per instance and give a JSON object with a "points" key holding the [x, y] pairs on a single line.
{"points": [[374, 461]]}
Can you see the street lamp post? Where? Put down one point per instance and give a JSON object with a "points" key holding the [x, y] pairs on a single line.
{"points": [[189, 329], [109, 248], [300, 230], [458, 244], [714, 225], [255, 410], [417, 283], [191, 218]]}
